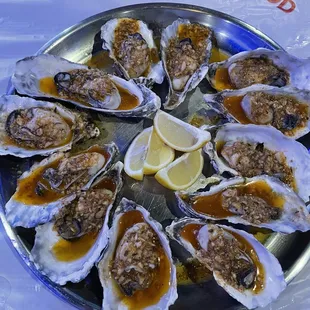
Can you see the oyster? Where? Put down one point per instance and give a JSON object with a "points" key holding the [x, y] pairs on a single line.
{"points": [[252, 150], [131, 45], [54, 77], [137, 271], [29, 127], [185, 50], [52, 183], [260, 66], [285, 109], [261, 201], [240, 264], [60, 257]]}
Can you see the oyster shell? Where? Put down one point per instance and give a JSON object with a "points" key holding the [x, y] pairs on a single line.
{"points": [[260, 66], [240, 264], [261, 201], [52, 183], [136, 270], [185, 51], [283, 108], [251, 150], [131, 45], [54, 77], [29, 127], [64, 260]]}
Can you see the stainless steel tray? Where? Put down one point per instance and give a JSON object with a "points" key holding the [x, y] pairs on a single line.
{"points": [[77, 44]]}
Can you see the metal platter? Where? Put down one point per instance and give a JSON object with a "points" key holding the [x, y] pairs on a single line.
{"points": [[78, 44]]}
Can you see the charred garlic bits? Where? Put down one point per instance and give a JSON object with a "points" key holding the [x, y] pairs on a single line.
{"points": [[30, 127], [137, 270], [131, 45], [261, 201], [261, 66], [55, 77], [186, 49], [285, 109], [240, 264]]}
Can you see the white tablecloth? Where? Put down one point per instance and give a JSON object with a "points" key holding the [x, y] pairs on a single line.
{"points": [[25, 25]]}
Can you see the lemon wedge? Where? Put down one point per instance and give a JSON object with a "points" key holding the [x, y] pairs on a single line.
{"points": [[159, 155], [182, 172], [179, 135], [136, 154]]}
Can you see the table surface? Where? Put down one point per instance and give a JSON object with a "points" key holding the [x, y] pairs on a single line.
{"points": [[25, 25]]}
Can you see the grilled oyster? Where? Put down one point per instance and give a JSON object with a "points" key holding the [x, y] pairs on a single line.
{"points": [[131, 45], [49, 185], [251, 150], [137, 270], [185, 51], [260, 66], [240, 264], [283, 108], [67, 248], [29, 127], [54, 77], [261, 201]]}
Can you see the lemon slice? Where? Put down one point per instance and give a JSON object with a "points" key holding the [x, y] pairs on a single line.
{"points": [[182, 172], [136, 153], [159, 155], [179, 135]]}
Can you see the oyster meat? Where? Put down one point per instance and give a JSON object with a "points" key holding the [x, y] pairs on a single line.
{"points": [[53, 183], [131, 45], [239, 263], [260, 66], [252, 150], [185, 49], [261, 201], [285, 109], [137, 271], [68, 247], [54, 77], [29, 127]]}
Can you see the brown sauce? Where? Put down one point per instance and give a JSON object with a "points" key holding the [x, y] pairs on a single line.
{"points": [[48, 86], [217, 55], [195, 32], [68, 251], [222, 80], [190, 233], [212, 205], [248, 249], [233, 106], [160, 285], [100, 60]]}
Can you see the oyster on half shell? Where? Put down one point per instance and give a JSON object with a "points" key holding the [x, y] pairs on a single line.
{"points": [[286, 109], [29, 127], [261, 201], [136, 271], [241, 265], [252, 150], [131, 45], [53, 183], [260, 66], [55, 77], [67, 248], [185, 51]]}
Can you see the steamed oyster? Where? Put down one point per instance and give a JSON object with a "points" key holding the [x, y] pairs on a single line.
{"points": [[51, 184], [261, 201], [240, 264], [137, 271], [54, 77], [252, 150], [131, 45], [186, 49], [285, 109], [260, 66], [29, 127], [67, 248]]}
